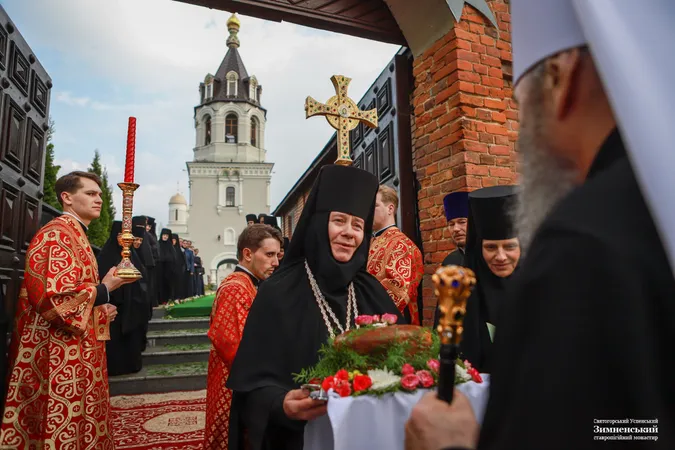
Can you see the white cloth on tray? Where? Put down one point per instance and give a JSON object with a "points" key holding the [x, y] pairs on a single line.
{"points": [[374, 423]]}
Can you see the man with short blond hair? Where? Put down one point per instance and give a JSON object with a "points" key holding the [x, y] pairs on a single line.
{"points": [[58, 395], [393, 258]]}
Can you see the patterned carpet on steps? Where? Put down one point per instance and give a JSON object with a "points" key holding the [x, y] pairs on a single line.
{"points": [[170, 421]]}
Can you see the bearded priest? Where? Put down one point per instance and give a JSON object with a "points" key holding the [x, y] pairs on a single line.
{"points": [[315, 295], [57, 394]]}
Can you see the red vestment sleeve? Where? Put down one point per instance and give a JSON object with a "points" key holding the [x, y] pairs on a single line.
{"points": [[53, 281], [228, 318]]}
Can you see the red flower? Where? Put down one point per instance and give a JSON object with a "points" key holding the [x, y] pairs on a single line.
{"points": [[407, 369], [342, 375], [434, 365], [328, 383], [389, 318], [362, 382], [315, 381], [363, 320], [475, 375], [342, 388], [426, 379], [376, 318], [410, 382]]}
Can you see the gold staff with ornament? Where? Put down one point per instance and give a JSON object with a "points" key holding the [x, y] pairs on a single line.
{"points": [[342, 114], [126, 269], [452, 286]]}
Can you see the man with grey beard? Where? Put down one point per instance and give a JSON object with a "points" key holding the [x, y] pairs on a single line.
{"points": [[588, 326]]}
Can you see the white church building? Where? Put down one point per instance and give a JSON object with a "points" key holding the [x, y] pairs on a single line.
{"points": [[228, 175]]}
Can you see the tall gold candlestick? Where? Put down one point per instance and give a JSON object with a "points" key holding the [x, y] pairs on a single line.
{"points": [[126, 269]]}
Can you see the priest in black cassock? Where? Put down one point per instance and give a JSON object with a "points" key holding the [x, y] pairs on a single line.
{"points": [[288, 323], [167, 266], [492, 252], [588, 327], [456, 209], [127, 333], [251, 219]]}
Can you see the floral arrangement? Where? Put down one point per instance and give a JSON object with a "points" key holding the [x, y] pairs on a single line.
{"points": [[350, 373]]}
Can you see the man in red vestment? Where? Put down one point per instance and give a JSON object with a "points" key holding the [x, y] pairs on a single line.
{"points": [[257, 250], [57, 395], [394, 259]]}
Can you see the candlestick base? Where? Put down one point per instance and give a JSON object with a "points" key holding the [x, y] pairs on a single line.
{"points": [[127, 271]]}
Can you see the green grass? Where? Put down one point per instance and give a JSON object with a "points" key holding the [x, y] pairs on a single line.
{"points": [[152, 334], [197, 368], [185, 347]]}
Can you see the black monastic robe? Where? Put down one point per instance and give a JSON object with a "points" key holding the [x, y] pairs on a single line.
{"points": [[590, 322]]}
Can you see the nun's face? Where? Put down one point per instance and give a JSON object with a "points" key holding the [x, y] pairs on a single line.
{"points": [[250, 222], [165, 237], [502, 255], [138, 242], [345, 234]]}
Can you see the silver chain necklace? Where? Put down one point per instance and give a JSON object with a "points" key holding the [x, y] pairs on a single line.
{"points": [[324, 306]]}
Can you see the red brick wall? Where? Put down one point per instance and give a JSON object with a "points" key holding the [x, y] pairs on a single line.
{"points": [[464, 124]]}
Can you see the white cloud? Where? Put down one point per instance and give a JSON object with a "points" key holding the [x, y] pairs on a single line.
{"points": [[146, 59]]}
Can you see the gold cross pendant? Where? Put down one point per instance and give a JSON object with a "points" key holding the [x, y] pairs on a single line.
{"points": [[342, 114]]}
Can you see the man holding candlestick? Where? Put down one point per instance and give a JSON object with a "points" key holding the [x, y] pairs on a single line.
{"points": [[58, 372]]}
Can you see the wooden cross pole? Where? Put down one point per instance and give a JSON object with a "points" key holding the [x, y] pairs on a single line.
{"points": [[342, 114]]}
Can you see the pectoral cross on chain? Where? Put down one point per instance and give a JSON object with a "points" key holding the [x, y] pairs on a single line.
{"points": [[342, 114]]}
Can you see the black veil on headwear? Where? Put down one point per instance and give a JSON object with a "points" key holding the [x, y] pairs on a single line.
{"points": [[128, 296], [490, 217], [287, 293], [145, 250]]}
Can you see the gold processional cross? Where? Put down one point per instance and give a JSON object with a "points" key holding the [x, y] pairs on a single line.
{"points": [[342, 114]]}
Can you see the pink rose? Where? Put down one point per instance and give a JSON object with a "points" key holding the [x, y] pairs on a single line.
{"points": [[407, 369], [467, 364], [410, 382], [389, 318], [426, 379], [376, 318], [434, 365], [363, 320]]}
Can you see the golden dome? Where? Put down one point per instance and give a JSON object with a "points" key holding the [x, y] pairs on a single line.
{"points": [[178, 199], [233, 22]]}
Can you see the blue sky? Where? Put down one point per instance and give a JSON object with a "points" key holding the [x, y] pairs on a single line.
{"points": [[111, 59]]}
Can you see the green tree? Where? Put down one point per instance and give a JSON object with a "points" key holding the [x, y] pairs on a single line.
{"points": [[51, 171], [99, 229]]}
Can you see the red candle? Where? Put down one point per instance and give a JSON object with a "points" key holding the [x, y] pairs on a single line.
{"points": [[131, 151]]}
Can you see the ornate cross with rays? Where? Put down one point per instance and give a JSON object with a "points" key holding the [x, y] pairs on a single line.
{"points": [[342, 114]]}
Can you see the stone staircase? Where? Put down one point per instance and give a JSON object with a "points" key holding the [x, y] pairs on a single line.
{"points": [[175, 359]]}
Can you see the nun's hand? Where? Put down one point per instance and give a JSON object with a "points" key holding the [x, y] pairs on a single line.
{"points": [[298, 406]]}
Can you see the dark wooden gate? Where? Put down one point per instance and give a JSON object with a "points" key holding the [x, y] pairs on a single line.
{"points": [[24, 120]]}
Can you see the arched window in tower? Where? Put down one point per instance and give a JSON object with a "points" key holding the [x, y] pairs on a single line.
{"points": [[231, 124], [232, 79], [253, 89], [229, 196], [254, 132], [176, 219], [207, 130]]}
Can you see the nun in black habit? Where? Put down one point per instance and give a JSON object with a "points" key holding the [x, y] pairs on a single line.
{"points": [[127, 332], [144, 251], [151, 237], [178, 281], [285, 327], [167, 263], [492, 252]]}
